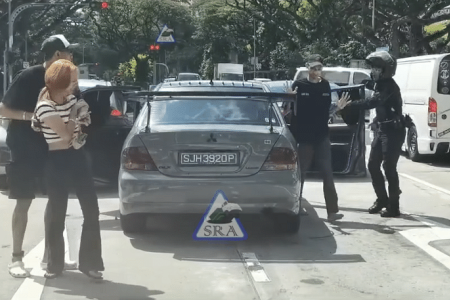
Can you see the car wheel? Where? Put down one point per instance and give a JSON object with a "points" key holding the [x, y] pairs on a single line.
{"points": [[4, 184], [413, 151], [133, 223], [287, 223]]}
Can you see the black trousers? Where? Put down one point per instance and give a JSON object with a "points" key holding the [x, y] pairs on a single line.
{"points": [[67, 168], [321, 153], [386, 150]]}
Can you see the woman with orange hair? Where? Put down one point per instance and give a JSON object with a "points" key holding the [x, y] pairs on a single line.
{"points": [[60, 116]]}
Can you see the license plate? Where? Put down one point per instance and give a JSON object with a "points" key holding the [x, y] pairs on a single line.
{"points": [[209, 159]]}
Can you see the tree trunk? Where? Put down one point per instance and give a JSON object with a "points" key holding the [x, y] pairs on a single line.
{"points": [[395, 42], [415, 36]]}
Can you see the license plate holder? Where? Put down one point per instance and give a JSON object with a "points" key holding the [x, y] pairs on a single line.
{"points": [[205, 159]]}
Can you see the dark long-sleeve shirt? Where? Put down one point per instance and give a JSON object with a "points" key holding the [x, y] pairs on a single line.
{"points": [[386, 100], [312, 110]]}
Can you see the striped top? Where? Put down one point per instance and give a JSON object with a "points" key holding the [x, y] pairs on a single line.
{"points": [[47, 108]]}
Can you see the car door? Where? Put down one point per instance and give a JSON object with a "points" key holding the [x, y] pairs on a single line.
{"points": [[112, 117], [347, 135]]}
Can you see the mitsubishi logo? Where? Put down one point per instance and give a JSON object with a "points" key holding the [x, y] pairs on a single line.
{"points": [[212, 138]]}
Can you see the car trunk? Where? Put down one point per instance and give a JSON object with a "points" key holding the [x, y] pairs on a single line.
{"points": [[220, 151]]}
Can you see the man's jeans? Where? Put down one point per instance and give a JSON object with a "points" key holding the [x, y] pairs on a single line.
{"points": [[321, 153]]}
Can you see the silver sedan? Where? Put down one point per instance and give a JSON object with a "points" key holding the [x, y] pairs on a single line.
{"points": [[184, 148]]}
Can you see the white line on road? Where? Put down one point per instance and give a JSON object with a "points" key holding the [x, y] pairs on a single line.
{"points": [[425, 183], [254, 267], [33, 286]]}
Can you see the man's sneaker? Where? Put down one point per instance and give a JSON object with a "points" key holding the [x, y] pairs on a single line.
{"points": [[334, 217]]}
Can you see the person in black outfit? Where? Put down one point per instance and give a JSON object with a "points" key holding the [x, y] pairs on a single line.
{"points": [[310, 128], [28, 148], [389, 132]]}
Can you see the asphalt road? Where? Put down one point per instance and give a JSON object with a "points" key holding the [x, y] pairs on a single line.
{"points": [[359, 257]]}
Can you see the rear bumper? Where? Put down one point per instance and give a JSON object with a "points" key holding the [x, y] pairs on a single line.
{"points": [[152, 192], [433, 146]]}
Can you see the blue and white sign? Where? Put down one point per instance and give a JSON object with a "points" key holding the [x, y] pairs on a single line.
{"points": [[383, 49], [221, 221], [165, 36]]}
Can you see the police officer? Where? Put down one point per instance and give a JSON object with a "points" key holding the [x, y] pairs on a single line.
{"points": [[389, 132]]}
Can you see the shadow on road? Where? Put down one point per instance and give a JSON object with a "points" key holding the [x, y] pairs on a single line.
{"points": [[77, 284], [315, 243]]}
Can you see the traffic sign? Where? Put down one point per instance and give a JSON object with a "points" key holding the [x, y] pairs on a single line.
{"points": [[26, 64], [383, 49], [165, 36]]}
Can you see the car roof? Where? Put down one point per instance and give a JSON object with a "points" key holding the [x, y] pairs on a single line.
{"points": [[340, 69]]}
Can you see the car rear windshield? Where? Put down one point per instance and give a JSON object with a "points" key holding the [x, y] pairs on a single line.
{"points": [[444, 74], [338, 77], [211, 111]]}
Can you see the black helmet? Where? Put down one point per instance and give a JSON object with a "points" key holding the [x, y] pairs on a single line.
{"points": [[383, 60]]}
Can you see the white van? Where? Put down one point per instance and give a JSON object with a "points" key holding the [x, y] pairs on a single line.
{"points": [[425, 87]]}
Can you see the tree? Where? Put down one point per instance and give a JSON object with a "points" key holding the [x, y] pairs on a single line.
{"points": [[129, 27]]}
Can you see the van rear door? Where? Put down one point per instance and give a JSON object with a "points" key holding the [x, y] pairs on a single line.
{"points": [[441, 97]]}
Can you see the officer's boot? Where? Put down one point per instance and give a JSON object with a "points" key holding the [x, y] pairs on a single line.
{"points": [[393, 209], [377, 206]]}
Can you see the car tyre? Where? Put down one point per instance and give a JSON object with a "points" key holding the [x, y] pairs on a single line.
{"points": [[413, 152], [133, 223], [287, 223]]}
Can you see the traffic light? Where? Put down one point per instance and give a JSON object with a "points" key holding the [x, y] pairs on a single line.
{"points": [[99, 5], [154, 47]]}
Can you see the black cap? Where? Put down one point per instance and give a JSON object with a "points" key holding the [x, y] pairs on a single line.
{"points": [[314, 60], [56, 43]]}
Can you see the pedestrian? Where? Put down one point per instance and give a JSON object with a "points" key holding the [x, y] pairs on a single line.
{"points": [[60, 116], [28, 148], [310, 128], [389, 132]]}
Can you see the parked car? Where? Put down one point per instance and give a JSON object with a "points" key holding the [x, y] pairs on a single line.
{"points": [[347, 132], [112, 118], [188, 76], [85, 84]]}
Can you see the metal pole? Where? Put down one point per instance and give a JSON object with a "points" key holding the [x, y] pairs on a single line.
{"points": [[83, 53], [5, 66], [154, 72], [373, 14], [26, 45], [254, 48], [10, 70]]}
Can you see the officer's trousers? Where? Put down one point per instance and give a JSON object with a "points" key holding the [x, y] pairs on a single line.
{"points": [[386, 150]]}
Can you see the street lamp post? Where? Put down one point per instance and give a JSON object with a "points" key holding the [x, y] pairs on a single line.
{"points": [[254, 48], [373, 14]]}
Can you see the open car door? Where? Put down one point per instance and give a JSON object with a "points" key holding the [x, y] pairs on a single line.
{"points": [[112, 117], [347, 133]]}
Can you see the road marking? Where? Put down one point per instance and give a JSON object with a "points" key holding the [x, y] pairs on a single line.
{"points": [[422, 237], [33, 286], [425, 183], [254, 267]]}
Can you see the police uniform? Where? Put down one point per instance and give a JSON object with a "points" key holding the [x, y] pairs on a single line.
{"points": [[389, 134]]}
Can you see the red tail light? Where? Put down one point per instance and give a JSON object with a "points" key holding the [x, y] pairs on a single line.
{"points": [[116, 113], [432, 112], [137, 158], [279, 159]]}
